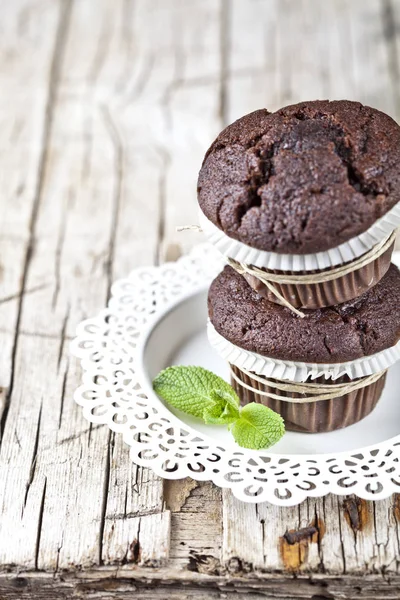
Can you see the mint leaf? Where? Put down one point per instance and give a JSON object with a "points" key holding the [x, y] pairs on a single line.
{"points": [[194, 390], [225, 410], [202, 394], [258, 427]]}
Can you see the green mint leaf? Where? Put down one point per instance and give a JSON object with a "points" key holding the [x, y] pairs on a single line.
{"points": [[193, 389], [202, 394], [225, 410], [258, 427]]}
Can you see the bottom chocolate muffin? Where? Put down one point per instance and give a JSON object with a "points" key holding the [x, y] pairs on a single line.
{"points": [[311, 417], [346, 332]]}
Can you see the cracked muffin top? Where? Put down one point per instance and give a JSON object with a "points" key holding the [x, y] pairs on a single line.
{"points": [[340, 333], [303, 179]]}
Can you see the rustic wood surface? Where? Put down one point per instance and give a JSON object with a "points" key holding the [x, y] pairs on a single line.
{"points": [[106, 109]]}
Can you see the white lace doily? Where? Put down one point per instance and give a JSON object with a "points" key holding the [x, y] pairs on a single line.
{"points": [[114, 392]]}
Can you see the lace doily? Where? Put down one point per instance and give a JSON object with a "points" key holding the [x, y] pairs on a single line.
{"points": [[115, 392]]}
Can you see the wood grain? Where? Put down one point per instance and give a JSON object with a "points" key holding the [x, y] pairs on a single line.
{"points": [[104, 583], [106, 111]]}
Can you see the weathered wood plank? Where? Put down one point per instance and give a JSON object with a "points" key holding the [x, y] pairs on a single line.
{"points": [[243, 548], [30, 65], [26, 65], [124, 582], [68, 511]]}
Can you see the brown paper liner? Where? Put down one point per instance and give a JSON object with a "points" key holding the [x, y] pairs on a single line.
{"points": [[314, 417], [329, 293]]}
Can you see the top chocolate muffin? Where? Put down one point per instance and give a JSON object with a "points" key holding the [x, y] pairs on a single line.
{"points": [[303, 179]]}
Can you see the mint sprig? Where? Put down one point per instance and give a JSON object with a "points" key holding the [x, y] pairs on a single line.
{"points": [[202, 394]]}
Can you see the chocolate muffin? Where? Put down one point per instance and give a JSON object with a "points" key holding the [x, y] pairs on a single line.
{"points": [[339, 411], [341, 333], [304, 179]]}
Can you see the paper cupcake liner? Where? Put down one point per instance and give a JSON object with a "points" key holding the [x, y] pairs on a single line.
{"points": [[327, 293], [300, 371], [316, 417], [346, 252]]}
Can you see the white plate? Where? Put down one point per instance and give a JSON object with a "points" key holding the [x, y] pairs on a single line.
{"points": [[157, 317], [189, 345]]}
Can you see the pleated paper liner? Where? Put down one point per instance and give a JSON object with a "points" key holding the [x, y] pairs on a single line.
{"points": [[300, 371], [344, 253], [310, 417], [325, 293]]}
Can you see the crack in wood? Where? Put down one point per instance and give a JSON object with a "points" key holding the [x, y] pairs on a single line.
{"points": [[62, 338], [40, 522], [106, 486], [142, 79], [62, 399], [132, 515], [128, 39], [321, 528], [136, 486], [126, 502], [18, 295], [116, 141], [76, 436], [135, 548], [37, 334], [342, 548], [58, 552], [90, 430], [17, 440], [58, 253], [34, 459], [162, 197], [88, 147], [262, 523], [101, 51]]}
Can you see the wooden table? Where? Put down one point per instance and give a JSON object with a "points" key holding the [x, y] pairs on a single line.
{"points": [[107, 108]]}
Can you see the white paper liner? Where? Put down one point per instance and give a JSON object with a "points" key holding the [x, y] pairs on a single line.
{"points": [[346, 252], [300, 371]]}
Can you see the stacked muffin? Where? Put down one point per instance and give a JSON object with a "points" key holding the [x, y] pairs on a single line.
{"points": [[304, 204]]}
